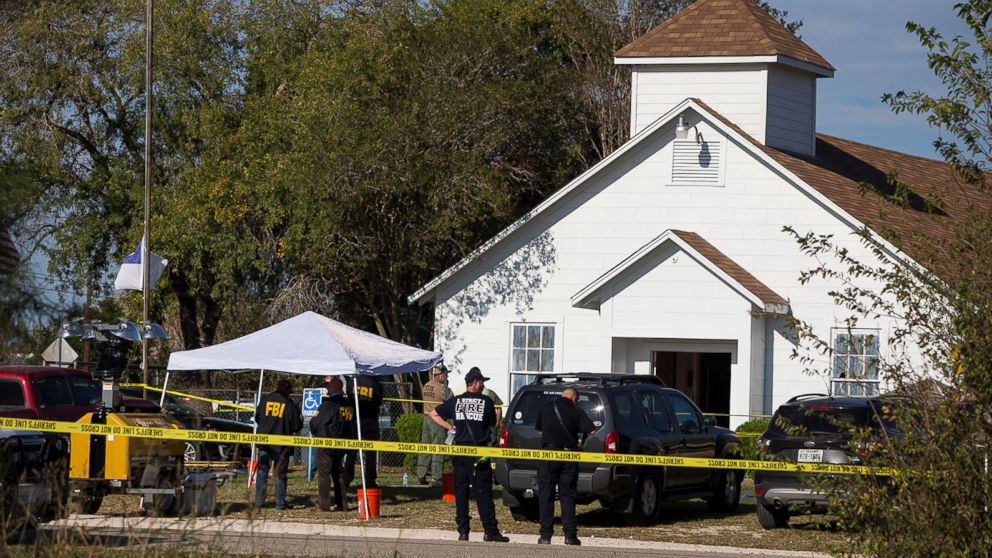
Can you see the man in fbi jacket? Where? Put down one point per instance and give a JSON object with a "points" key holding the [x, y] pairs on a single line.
{"points": [[472, 415], [334, 419], [276, 414]]}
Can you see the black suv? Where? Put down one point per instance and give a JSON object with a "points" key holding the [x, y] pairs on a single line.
{"points": [[634, 414], [813, 428]]}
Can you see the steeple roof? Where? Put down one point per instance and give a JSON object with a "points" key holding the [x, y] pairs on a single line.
{"points": [[713, 28]]}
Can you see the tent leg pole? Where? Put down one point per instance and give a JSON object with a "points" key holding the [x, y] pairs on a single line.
{"points": [[361, 454], [165, 385], [254, 430]]}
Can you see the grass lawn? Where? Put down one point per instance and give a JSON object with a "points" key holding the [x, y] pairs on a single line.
{"points": [[422, 507]]}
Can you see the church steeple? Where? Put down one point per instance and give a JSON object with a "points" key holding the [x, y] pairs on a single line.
{"points": [[740, 61]]}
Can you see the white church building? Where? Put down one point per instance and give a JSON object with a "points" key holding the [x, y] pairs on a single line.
{"points": [[669, 256]]}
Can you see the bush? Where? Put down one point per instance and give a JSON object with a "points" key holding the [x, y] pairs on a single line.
{"points": [[749, 449], [408, 430]]}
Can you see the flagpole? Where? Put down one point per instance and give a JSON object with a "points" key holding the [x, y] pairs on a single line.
{"points": [[146, 245]]}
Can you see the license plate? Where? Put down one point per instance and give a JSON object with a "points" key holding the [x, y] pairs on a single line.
{"points": [[810, 455]]}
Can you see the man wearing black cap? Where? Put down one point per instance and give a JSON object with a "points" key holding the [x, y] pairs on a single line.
{"points": [[276, 414], [472, 415]]}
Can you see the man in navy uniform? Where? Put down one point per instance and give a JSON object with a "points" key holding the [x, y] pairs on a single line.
{"points": [[472, 415], [560, 423], [335, 418], [276, 414], [368, 399]]}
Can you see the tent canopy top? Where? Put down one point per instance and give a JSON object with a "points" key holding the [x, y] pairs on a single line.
{"points": [[309, 344]]}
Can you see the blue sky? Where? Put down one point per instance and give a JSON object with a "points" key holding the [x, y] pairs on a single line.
{"points": [[866, 40]]}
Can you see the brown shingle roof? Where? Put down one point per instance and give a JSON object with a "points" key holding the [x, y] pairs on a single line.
{"points": [[855, 176], [731, 268], [722, 28], [8, 252]]}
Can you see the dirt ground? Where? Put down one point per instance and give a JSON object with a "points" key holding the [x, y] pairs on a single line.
{"points": [[422, 507]]}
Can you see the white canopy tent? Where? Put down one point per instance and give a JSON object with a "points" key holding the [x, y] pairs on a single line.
{"points": [[308, 344]]}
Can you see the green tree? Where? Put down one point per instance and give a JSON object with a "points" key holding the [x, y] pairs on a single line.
{"points": [[938, 504]]}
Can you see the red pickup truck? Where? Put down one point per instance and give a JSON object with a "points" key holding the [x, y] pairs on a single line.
{"points": [[50, 393]]}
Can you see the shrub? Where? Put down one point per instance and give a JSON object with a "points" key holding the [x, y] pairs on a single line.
{"points": [[750, 429], [408, 430]]}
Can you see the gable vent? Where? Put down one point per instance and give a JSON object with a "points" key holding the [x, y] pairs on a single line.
{"points": [[696, 163]]}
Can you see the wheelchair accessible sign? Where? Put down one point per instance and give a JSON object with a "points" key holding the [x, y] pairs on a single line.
{"points": [[311, 401]]}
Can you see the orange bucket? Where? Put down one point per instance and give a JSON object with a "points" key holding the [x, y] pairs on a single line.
{"points": [[371, 496], [448, 487]]}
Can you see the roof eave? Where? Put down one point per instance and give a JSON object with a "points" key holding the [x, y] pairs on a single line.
{"points": [[819, 71]]}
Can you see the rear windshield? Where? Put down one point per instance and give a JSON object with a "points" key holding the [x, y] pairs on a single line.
{"points": [[530, 403], [801, 420], [85, 391], [53, 391]]}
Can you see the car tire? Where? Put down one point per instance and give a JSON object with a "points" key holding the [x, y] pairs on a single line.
{"points": [[87, 501], [771, 518], [726, 491], [528, 511], [163, 505], [647, 500]]}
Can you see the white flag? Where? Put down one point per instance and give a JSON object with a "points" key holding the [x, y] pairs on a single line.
{"points": [[130, 275]]}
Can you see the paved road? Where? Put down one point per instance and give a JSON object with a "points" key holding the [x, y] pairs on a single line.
{"points": [[309, 539]]}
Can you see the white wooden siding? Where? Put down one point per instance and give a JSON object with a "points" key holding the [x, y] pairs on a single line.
{"points": [[791, 118], [533, 273], [736, 91]]}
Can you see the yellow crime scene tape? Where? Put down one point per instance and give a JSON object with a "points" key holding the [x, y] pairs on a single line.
{"points": [[191, 396], [439, 449]]}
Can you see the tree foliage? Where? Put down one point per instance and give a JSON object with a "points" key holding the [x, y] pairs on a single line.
{"points": [[939, 356], [331, 155]]}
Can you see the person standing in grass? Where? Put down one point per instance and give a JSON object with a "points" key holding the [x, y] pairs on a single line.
{"points": [[434, 392], [278, 414], [472, 416], [335, 418], [561, 422]]}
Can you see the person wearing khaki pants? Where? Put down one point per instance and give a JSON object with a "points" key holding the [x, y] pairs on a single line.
{"points": [[434, 392]]}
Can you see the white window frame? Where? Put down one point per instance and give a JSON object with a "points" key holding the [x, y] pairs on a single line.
{"points": [[851, 371], [526, 373]]}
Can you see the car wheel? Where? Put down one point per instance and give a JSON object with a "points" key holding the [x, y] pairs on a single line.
{"points": [[771, 518], [163, 505], [528, 511], [191, 452], [87, 501], [647, 500], [726, 491]]}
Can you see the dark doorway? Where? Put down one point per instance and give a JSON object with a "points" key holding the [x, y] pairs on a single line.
{"points": [[704, 377]]}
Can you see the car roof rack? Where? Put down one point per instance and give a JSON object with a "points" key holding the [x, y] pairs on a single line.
{"points": [[798, 397], [602, 378]]}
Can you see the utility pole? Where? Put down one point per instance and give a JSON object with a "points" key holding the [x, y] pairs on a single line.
{"points": [[146, 245]]}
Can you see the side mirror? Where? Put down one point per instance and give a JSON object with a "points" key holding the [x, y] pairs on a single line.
{"points": [[709, 422]]}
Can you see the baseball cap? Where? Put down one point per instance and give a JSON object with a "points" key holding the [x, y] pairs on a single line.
{"points": [[474, 374]]}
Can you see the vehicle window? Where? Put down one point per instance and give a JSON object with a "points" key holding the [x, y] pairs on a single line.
{"points": [[593, 406], [531, 402], [180, 409], [627, 415], [53, 391], [686, 414], [11, 393], [85, 391], [801, 420], [655, 411]]}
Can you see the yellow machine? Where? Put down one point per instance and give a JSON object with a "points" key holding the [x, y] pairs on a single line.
{"points": [[99, 465]]}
